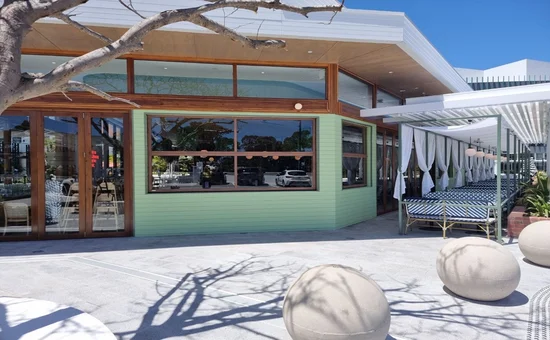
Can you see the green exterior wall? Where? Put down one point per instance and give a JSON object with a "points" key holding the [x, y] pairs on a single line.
{"points": [[327, 208]]}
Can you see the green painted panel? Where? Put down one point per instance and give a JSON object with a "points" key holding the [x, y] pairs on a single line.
{"points": [[354, 205], [191, 213]]}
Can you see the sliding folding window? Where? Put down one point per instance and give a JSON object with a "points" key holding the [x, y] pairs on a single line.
{"points": [[229, 154]]}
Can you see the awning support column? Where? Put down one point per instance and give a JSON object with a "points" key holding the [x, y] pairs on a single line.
{"points": [[499, 181], [508, 170], [399, 160], [515, 159]]}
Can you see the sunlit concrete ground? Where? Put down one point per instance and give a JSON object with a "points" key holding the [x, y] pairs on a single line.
{"points": [[232, 286]]}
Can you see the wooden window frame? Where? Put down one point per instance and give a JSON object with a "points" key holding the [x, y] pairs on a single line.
{"points": [[235, 154], [364, 156]]}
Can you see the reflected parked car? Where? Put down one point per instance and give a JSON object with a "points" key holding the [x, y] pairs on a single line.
{"points": [[297, 178], [250, 177]]}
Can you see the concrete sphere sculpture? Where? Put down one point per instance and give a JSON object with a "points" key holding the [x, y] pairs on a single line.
{"points": [[478, 269], [332, 302], [534, 243]]}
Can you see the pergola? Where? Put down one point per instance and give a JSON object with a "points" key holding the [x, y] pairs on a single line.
{"points": [[493, 115]]}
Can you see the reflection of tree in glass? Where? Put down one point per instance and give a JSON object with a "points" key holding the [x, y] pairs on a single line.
{"points": [[183, 86], [108, 82], [159, 164], [192, 134], [300, 140], [259, 143], [200, 135]]}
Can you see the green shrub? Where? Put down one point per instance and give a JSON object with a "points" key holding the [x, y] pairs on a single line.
{"points": [[536, 196]]}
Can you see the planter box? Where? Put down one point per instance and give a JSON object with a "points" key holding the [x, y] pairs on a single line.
{"points": [[517, 221]]}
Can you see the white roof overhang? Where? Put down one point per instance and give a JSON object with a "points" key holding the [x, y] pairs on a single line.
{"points": [[348, 26], [524, 110]]}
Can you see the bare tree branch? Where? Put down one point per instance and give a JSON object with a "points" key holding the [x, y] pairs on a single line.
{"points": [[203, 21], [130, 6], [67, 19], [76, 85], [60, 77]]}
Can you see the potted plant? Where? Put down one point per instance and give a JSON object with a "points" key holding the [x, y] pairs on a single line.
{"points": [[534, 205]]}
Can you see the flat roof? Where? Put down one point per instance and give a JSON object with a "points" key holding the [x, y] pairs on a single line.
{"points": [[391, 41]]}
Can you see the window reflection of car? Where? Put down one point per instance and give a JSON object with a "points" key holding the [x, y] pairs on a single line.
{"points": [[250, 177], [297, 178]]}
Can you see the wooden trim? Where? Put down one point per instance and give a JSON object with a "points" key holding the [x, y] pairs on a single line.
{"points": [[130, 75], [235, 154], [40, 171], [128, 175], [332, 88], [87, 101], [235, 82], [149, 154]]}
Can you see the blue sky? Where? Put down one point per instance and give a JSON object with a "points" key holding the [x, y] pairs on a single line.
{"points": [[477, 33]]}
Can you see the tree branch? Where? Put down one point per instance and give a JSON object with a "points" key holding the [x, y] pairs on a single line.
{"points": [[67, 19], [131, 41], [130, 7], [76, 85], [203, 21]]}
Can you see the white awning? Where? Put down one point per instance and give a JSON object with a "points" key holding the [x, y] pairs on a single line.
{"points": [[524, 110]]}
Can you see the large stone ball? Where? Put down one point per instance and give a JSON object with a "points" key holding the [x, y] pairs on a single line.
{"points": [[336, 302], [534, 242], [478, 269]]}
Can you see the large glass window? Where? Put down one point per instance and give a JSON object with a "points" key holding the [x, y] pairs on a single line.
{"points": [[219, 153], [281, 82], [111, 77], [354, 156], [15, 175], [189, 79], [354, 92], [384, 99]]}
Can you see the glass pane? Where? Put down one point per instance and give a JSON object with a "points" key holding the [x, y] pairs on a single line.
{"points": [[275, 171], [107, 161], [111, 77], [191, 134], [15, 170], [281, 82], [353, 91], [384, 99], [192, 173], [380, 171], [189, 79], [353, 171], [275, 135], [353, 139], [61, 165], [389, 172]]}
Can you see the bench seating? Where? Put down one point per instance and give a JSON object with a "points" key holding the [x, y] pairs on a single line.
{"points": [[449, 214]]}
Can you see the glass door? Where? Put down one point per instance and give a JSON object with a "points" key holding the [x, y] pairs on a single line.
{"points": [[63, 200], [84, 187], [105, 181]]}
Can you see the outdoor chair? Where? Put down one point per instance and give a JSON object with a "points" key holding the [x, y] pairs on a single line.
{"points": [[15, 214]]}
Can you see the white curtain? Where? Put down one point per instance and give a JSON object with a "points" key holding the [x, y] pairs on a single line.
{"points": [[468, 165], [425, 162], [488, 173], [405, 147], [477, 164], [493, 169], [458, 153], [443, 154], [482, 170]]}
